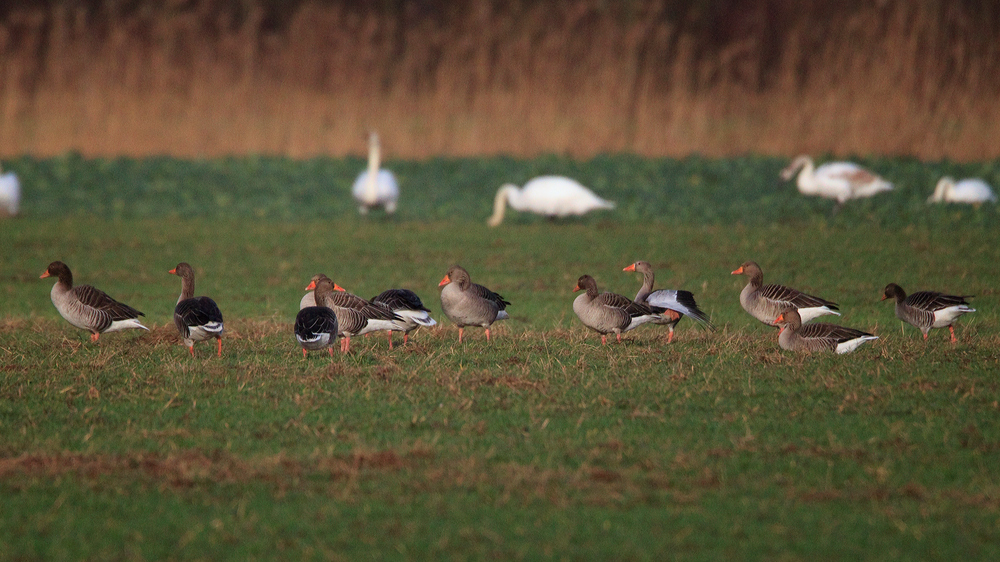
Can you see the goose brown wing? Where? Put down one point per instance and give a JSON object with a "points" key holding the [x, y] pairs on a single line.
{"points": [[627, 305], [932, 301], [99, 300], [346, 300], [483, 292], [400, 299], [198, 311], [314, 320], [831, 332], [792, 297]]}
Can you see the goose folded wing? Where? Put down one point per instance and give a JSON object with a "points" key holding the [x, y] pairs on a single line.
{"points": [[483, 292], [832, 332], [792, 297], [198, 311], [99, 300], [931, 300]]}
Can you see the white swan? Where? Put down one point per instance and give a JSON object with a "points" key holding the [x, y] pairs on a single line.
{"points": [[10, 194], [552, 196], [971, 190], [835, 180], [375, 187]]}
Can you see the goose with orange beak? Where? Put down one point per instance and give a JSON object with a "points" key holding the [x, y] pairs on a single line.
{"points": [[88, 308], [765, 302], [795, 336], [468, 304]]}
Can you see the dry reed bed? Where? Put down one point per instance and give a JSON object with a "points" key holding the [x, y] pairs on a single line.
{"points": [[206, 78]]}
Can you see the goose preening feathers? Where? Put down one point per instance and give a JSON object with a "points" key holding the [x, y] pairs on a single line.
{"points": [[607, 313], [671, 305], [795, 336], [835, 180], [355, 315], [408, 306], [375, 187], [88, 308], [766, 302], [467, 304], [196, 318], [928, 309], [969, 190], [10, 194], [552, 196]]}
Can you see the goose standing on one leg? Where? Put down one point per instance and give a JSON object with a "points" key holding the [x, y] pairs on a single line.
{"points": [[196, 318], [765, 302], [407, 305], [928, 309], [552, 196], [817, 337], [88, 308], [665, 302], [467, 304], [375, 187], [607, 313], [835, 180]]}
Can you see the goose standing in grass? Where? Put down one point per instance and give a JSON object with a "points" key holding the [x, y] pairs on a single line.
{"points": [[88, 308], [607, 313], [355, 315], [671, 305], [969, 190], [928, 309], [316, 328], [408, 306], [765, 302], [817, 337], [375, 187], [467, 304], [835, 180], [10, 194], [552, 196], [196, 318]]}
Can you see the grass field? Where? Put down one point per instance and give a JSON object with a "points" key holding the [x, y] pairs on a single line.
{"points": [[542, 444]]}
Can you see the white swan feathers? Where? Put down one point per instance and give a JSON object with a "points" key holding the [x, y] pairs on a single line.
{"points": [[10, 194], [375, 187], [552, 196], [835, 180], [971, 190]]}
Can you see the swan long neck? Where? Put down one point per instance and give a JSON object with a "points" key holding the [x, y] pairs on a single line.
{"points": [[939, 191], [500, 203], [374, 155]]}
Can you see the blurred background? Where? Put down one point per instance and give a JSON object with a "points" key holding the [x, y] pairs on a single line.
{"points": [[473, 77]]}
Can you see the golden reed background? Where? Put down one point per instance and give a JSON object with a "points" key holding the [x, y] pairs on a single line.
{"points": [[208, 78]]}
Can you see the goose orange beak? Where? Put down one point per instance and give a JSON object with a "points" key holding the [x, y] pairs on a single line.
{"points": [[576, 288], [311, 286], [44, 275], [444, 281], [737, 271], [173, 271], [884, 297], [337, 287], [629, 268], [780, 318]]}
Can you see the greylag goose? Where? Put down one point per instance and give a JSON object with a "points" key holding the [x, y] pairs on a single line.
{"points": [[316, 328], [375, 187], [88, 308], [408, 306], [928, 309], [817, 337], [765, 302], [609, 312], [469, 304], [552, 196], [196, 318], [835, 180], [670, 304], [355, 315], [969, 190]]}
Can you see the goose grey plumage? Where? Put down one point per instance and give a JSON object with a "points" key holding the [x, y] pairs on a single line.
{"points": [[88, 308], [928, 309], [795, 336], [408, 306], [766, 302], [467, 304], [196, 318], [607, 313], [355, 315], [672, 305], [316, 328]]}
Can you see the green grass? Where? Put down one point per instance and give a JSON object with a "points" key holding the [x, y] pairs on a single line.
{"points": [[542, 444]]}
